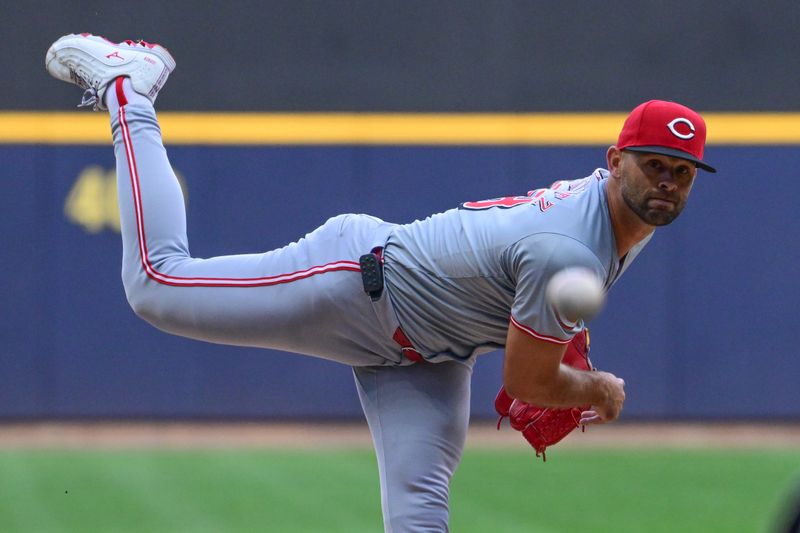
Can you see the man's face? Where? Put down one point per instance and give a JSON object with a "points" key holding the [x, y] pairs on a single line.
{"points": [[655, 186]]}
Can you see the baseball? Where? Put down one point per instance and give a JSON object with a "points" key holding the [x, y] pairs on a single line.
{"points": [[576, 293]]}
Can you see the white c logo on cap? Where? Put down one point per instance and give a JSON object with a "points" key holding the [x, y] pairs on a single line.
{"points": [[681, 120]]}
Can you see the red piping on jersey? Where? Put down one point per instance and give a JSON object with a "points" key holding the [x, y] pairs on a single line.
{"points": [[537, 335], [177, 281]]}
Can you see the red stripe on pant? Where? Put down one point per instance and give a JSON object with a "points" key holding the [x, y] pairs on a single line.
{"points": [[182, 281]]}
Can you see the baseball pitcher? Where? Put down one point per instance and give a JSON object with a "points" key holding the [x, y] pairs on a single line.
{"points": [[408, 307]]}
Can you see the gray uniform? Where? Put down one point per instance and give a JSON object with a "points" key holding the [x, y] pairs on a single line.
{"points": [[453, 282], [457, 277]]}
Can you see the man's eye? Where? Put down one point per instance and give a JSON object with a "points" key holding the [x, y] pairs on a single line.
{"points": [[653, 163]]}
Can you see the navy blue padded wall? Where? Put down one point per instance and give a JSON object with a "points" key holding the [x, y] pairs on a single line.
{"points": [[701, 325]]}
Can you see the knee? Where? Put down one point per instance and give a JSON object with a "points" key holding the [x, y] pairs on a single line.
{"points": [[147, 299], [420, 513], [418, 520], [142, 301], [418, 475], [418, 498]]}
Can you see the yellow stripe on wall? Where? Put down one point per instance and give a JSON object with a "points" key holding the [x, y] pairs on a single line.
{"points": [[535, 129]]}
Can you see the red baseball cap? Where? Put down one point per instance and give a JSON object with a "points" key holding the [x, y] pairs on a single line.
{"points": [[665, 128]]}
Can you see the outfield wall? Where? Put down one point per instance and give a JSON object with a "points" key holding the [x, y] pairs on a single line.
{"points": [[700, 326]]}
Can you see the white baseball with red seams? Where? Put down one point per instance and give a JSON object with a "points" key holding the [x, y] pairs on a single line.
{"points": [[576, 293]]}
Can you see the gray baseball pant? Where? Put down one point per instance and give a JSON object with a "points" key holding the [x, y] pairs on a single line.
{"points": [[306, 297]]}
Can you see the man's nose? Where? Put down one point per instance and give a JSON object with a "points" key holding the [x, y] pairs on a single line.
{"points": [[666, 182]]}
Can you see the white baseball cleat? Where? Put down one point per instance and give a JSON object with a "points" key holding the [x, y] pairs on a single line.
{"points": [[92, 62]]}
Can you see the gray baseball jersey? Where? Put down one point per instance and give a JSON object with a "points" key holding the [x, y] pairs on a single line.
{"points": [[458, 277]]}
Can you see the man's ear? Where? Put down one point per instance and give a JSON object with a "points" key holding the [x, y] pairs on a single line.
{"points": [[614, 160]]}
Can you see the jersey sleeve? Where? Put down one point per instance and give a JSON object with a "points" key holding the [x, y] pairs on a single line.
{"points": [[532, 261]]}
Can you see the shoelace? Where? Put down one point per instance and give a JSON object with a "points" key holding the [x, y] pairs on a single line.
{"points": [[89, 98]]}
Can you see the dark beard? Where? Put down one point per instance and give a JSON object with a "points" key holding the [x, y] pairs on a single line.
{"points": [[637, 202]]}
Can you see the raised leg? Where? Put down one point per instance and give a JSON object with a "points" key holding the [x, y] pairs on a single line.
{"points": [[306, 297]]}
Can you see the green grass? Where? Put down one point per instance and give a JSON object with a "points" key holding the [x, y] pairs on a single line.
{"points": [[337, 491]]}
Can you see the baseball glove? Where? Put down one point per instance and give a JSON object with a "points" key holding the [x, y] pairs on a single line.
{"points": [[545, 426]]}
